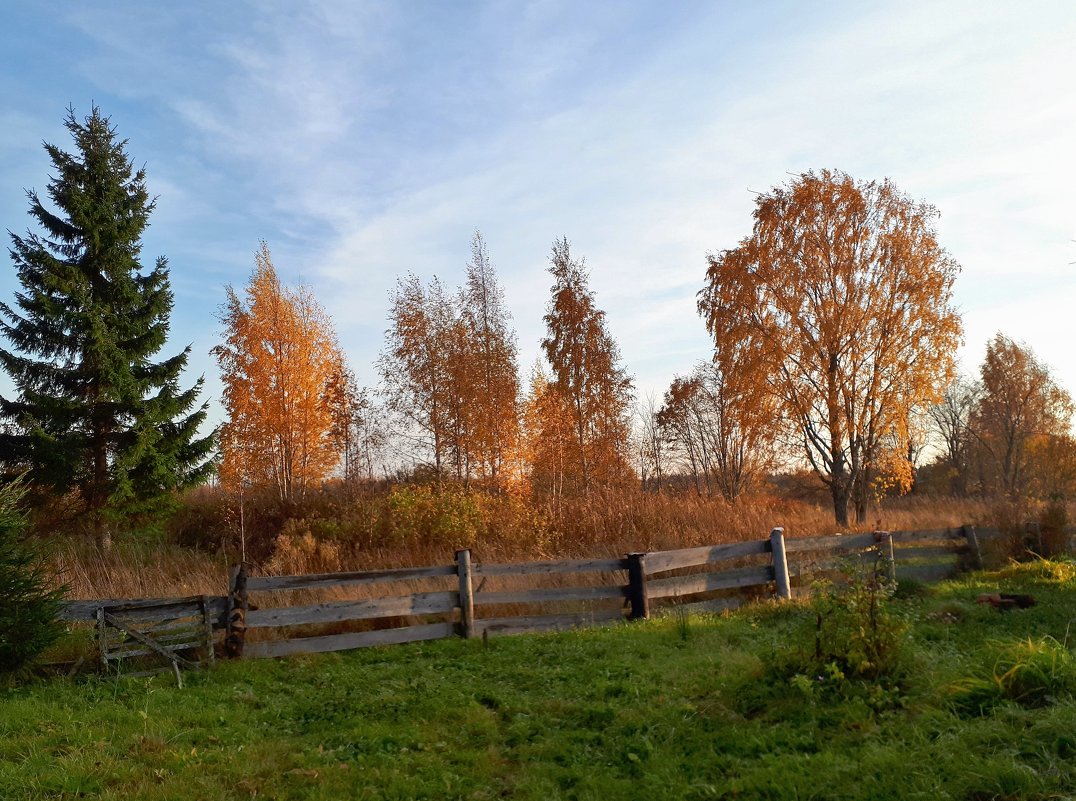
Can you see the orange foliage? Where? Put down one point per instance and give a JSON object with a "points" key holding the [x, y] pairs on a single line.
{"points": [[1021, 414], [843, 299], [450, 374], [587, 375], [277, 360]]}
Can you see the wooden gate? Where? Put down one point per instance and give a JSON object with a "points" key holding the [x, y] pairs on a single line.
{"points": [[175, 633]]}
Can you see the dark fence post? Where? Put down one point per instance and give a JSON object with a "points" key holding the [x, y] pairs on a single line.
{"points": [[973, 545], [780, 564], [463, 569], [238, 603], [637, 596]]}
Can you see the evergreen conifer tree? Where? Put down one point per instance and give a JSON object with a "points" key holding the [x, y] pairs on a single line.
{"points": [[95, 413]]}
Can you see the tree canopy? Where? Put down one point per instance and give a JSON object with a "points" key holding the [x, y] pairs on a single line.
{"points": [[96, 414], [843, 297], [587, 374], [280, 363]]}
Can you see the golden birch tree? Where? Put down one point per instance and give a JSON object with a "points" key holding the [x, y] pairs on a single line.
{"points": [[722, 427], [278, 360], [587, 374], [550, 449], [845, 296], [489, 352], [1021, 414], [422, 380]]}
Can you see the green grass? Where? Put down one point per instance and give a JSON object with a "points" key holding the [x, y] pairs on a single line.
{"points": [[666, 709]]}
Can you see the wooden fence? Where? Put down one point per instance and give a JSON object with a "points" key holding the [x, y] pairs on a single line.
{"points": [[472, 599]]}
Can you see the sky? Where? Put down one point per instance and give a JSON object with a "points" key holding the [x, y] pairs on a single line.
{"points": [[363, 141]]}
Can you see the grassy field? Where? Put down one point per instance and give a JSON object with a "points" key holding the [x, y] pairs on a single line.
{"points": [[692, 708]]}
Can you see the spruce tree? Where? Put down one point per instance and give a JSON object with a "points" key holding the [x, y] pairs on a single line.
{"points": [[96, 414]]}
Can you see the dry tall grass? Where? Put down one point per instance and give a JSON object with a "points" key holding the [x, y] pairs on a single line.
{"points": [[408, 526]]}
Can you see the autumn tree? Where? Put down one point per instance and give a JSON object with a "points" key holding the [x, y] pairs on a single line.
{"points": [[551, 450], [587, 374], [1021, 412], [421, 379], [845, 296], [950, 420], [97, 412], [449, 370], [652, 444], [489, 352], [722, 425], [279, 361]]}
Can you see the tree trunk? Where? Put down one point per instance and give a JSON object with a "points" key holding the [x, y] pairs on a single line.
{"points": [[102, 533], [840, 491]]}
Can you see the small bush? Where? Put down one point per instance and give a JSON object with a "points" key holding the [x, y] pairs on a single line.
{"points": [[856, 628], [28, 609], [854, 645]]}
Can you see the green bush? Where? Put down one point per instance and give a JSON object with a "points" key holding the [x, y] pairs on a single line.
{"points": [[431, 515], [856, 627], [28, 609]]}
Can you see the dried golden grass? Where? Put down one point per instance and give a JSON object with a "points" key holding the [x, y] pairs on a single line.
{"points": [[505, 530]]}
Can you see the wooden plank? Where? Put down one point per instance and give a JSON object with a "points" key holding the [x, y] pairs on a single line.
{"points": [[274, 583], [549, 568], [904, 554], [926, 573], [707, 582], [132, 649], [207, 627], [929, 535], [419, 603], [118, 637], [346, 642], [533, 623], [549, 594], [154, 628], [837, 542], [146, 641], [660, 561], [140, 609]]}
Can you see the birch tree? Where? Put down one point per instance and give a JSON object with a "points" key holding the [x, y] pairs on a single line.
{"points": [[845, 296]]}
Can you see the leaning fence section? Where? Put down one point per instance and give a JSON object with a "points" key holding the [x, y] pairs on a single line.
{"points": [[271, 616]]}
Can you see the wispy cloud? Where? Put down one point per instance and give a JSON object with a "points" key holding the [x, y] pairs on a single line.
{"points": [[366, 140]]}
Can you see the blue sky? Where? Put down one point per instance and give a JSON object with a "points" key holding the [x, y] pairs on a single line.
{"points": [[365, 140]]}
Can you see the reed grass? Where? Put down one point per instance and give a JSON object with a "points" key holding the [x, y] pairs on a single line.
{"points": [[343, 528]]}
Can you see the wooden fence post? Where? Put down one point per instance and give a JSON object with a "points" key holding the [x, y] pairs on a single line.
{"points": [[237, 605], [973, 545], [780, 564], [885, 550], [637, 595], [463, 568]]}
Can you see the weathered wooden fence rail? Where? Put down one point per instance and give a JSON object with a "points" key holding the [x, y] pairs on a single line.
{"points": [[472, 599]]}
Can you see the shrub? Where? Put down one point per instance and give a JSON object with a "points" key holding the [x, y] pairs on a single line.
{"points": [[856, 627], [431, 516], [28, 609]]}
